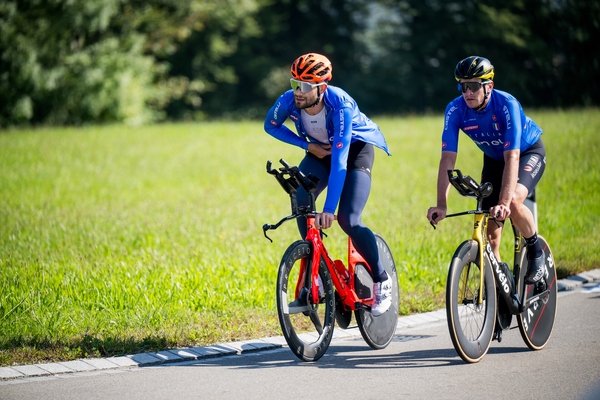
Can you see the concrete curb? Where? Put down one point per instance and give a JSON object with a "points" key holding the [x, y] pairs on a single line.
{"points": [[19, 372]]}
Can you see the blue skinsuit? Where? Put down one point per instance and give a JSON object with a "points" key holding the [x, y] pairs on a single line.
{"points": [[500, 126], [345, 125], [343, 116]]}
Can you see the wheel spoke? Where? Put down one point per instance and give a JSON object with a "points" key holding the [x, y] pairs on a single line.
{"points": [[301, 316], [314, 317], [470, 311]]}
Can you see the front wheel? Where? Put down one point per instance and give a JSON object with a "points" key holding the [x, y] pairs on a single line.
{"points": [[471, 316], [379, 331], [536, 323], [306, 323]]}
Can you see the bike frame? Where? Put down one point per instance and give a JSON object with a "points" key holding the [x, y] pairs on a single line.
{"points": [[290, 178], [344, 285], [516, 302], [479, 230]]}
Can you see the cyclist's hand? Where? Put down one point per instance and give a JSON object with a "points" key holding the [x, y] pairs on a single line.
{"points": [[500, 212], [319, 150], [440, 214], [324, 220]]}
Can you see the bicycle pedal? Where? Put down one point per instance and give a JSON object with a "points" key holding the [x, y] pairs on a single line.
{"points": [[301, 301], [361, 306], [540, 287]]}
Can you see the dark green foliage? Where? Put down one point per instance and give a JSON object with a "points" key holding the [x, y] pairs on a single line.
{"points": [[72, 62]]}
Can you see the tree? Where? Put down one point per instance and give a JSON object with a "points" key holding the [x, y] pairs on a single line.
{"points": [[261, 61], [70, 62]]}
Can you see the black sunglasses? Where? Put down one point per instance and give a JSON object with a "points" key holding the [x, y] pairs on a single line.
{"points": [[474, 86]]}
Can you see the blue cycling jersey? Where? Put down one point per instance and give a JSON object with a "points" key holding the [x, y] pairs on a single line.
{"points": [[502, 125], [345, 125]]}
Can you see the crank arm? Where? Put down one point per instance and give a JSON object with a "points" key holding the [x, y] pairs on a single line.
{"points": [[535, 298]]}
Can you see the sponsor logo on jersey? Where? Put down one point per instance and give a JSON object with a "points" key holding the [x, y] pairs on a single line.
{"points": [[506, 145], [292, 116], [470, 128], [273, 122], [488, 143], [528, 168], [339, 145], [444, 145], [450, 111], [507, 115]]}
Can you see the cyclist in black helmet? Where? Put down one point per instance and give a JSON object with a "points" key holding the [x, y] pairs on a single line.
{"points": [[514, 156]]}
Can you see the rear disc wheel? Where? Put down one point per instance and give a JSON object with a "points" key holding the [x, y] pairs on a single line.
{"points": [[537, 322], [378, 331]]}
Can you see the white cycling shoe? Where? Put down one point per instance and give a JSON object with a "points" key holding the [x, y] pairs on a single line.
{"points": [[382, 293]]}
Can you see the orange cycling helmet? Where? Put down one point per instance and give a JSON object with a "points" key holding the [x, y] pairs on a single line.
{"points": [[312, 67]]}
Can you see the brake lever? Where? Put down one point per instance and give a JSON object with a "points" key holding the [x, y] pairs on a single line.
{"points": [[266, 227], [495, 219], [433, 216]]}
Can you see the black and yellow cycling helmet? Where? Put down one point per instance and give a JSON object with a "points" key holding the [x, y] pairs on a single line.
{"points": [[474, 67]]}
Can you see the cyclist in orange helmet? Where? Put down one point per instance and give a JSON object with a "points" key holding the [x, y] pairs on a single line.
{"points": [[339, 143]]}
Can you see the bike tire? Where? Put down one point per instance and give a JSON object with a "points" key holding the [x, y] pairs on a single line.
{"points": [[471, 326], [308, 328], [379, 331], [536, 323]]}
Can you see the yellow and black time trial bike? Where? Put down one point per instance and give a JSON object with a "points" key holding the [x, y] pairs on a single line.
{"points": [[482, 294]]}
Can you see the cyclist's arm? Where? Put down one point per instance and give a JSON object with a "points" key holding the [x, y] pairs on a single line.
{"points": [[274, 125], [342, 123], [447, 162]]}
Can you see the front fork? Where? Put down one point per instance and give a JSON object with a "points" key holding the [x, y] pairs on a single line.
{"points": [[479, 235], [310, 281]]}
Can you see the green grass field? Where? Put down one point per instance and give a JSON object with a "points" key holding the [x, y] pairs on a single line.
{"points": [[117, 240]]}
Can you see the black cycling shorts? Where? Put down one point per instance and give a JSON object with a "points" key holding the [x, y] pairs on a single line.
{"points": [[532, 163], [360, 157]]}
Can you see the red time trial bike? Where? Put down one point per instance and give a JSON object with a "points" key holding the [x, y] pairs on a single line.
{"points": [[314, 291]]}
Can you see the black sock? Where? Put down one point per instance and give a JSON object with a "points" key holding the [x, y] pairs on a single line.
{"points": [[535, 250], [380, 278]]}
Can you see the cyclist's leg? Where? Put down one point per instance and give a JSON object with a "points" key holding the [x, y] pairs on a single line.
{"points": [[355, 194], [531, 168], [319, 168], [354, 197], [492, 172], [532, 164]]}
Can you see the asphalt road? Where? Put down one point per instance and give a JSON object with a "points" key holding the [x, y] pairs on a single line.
{"points": [[420, 363]]}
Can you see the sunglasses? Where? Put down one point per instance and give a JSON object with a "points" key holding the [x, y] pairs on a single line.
{"points": [[474, 86], [305, 87]]}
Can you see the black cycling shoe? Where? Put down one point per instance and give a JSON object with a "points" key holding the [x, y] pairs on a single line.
{"points": [[536, 270]]}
